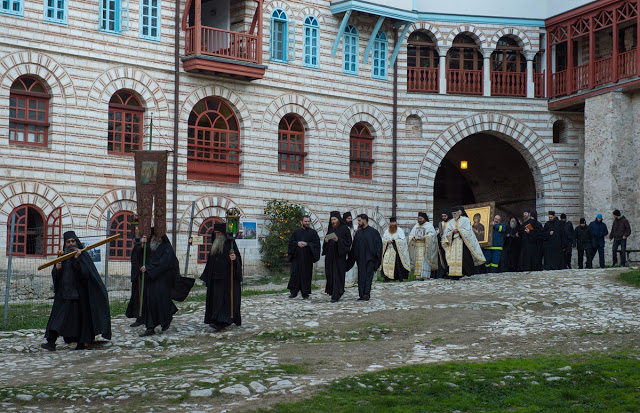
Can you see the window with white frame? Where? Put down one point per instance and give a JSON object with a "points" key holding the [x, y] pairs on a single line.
{"points": [[55, 11], [350, 55], [380, 56], [110, 16], [311, 42], [150, 19]]}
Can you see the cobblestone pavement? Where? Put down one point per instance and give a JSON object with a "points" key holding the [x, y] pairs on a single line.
{"points": [[288, 348]]}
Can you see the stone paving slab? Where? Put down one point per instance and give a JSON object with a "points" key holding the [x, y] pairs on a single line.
{"points": [[478, 318]]}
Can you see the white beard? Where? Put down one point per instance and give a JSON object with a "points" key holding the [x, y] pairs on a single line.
{"points": [[154, 244], [218, 245]]}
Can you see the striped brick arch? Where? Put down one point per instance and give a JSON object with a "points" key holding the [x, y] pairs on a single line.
{"points": [[402, 119], [426, 27], [206, 207], [517, 35], [363, 112], [233, 100], [121, 199], [40, 195], [130, 78], [540, 160], [376, 219], [472, 31]]}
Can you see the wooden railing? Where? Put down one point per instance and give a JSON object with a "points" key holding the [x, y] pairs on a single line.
{"points": [[538, 81], [464, 81], [509, 83], [559, 83], [580, 78], [224, 43], [602, 72], [422, 79], [627, 64]]}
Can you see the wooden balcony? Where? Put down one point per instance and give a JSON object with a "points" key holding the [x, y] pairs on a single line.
{"points": [[509, 84], [538, 81], [422, 79], [213, 50], [468, 82]]}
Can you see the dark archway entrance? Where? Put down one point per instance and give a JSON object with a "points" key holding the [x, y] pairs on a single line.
{"points": [[496, 172]]}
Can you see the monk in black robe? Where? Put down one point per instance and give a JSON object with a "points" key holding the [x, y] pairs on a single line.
{"points": [[367, 253], [80, 305], [443, 267], [553, 233], [529, 246], [510, 259], [133, 307], [160, 274], [223, 292], [304, 251], [336, 247]]}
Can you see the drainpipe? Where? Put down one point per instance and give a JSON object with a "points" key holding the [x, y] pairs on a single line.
{"points": [[176, 112], [394, 157]]}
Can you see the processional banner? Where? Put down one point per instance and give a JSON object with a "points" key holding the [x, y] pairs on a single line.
{"points": [[151, 191]]}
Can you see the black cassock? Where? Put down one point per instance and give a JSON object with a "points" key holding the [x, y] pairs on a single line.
{"points": [[510, 258], [552, 244], [80, 308], [366, 251], [335, 262], [217, 277], [530, 246], [133, 307], [162, 272], [302, 259]]}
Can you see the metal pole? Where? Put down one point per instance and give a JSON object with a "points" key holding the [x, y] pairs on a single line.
{"points": [[6, 292], [106, 254], [186, 261], [151, 131]]}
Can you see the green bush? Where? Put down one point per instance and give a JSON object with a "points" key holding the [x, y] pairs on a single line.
{"points": [[282, 218]]}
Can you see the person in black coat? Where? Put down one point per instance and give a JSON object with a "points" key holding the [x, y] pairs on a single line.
{"points": [[367, 252], [531, 251], [510, 258], [133, 307], [80, 308], [303, 252], [336, 247], [554, 242], [585, 241], [569, 240]]}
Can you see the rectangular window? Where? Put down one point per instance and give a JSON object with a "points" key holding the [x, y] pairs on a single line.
{"points": [[13, 7], [110, 16], [380, 60], [350, 54], [150, 20], [279, 40], [55, 11], [311, 35]]}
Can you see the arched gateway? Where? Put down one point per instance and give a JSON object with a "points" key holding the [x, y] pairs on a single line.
{"points": [[507, 137]]}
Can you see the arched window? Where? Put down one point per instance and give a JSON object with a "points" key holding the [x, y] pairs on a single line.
{"points": [[29, 232], [508, 69], [559, 131], [350, 55], [311, 49], [125, 124], [28, 112], [361, 153], [213, 147], [464, 66], [206, 232], [291, 145], [279, 35], [380, 56], [422, 63], [120, 223]]}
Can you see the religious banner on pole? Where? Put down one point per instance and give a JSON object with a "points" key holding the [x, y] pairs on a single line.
{"points": [[151, 191]]}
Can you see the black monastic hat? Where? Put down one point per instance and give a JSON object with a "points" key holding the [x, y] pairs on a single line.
{"points": [[345, 215], [220, 227], [393, 219], [552, 213], [423, 215]]}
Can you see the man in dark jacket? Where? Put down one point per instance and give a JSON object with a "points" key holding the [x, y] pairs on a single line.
{"points": [[599, 230], [336, 246], [620, 231], [584, 242], [569, 240], [554, 239]]}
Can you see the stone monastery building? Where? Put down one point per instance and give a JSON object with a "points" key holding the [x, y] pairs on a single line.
{"points": [[368, 106]]}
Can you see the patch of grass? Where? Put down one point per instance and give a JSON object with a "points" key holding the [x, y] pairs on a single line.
{"points": [[281, 277], [631, 277], [285, 334], [582, 383], [26, 316], [249, 293], [437, 340]]}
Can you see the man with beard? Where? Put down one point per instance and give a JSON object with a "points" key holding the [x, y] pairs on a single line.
{"points": [[568, 242], [304, 250], [336, 246], [223, 293], [530, 251], [461, 245], [510, 260], [366, 250], [160, 272], [553, 242], [351, 276], [423, 248], [80, 305], [133, 307], [396, 263], [443, 267]]}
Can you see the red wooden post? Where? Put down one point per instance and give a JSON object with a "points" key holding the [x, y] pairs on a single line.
{"points": [[197, 29], [569, 61], [614, 54], [549, 52], [592, 52], [259, 42]]}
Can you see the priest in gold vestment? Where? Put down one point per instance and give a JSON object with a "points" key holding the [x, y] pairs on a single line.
{"points": [[423, 248], [395, 253], [461, 245]]}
